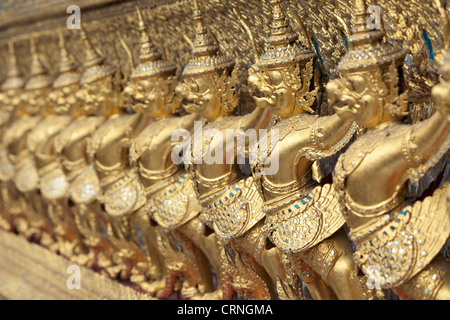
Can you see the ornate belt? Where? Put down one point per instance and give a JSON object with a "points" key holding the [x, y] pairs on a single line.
{"points": [[124, 196], [109, 175], [302, 221], [53, 184], [173, 202], [27, 177], [85, 187], [233, 210], [394, 247], [73, 168]]}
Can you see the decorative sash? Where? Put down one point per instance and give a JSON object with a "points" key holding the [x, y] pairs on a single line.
{"points": [[124, 196], [85, 188], [54, 184], [233, 210], [27, 177], [173, 202]]}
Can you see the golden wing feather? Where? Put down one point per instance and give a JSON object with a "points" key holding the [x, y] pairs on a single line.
{"points": [[304, 223], [406, 240]]}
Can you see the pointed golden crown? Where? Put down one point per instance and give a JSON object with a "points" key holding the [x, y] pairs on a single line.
{"points": [[282, 46], [367, 50], [14, 78], [207, 56], [151, 62], [39, 77], [68, 74], [94, 66]]}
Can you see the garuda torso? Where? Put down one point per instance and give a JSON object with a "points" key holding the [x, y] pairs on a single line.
{"points": [[398, 235], [70, 146], [171, 200], [15, 139], [40, 143], [300, 211], [108, 151], [231, 204]]}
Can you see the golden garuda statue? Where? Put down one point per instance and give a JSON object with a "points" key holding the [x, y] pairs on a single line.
{"points": [[398, 231], [225, 150]]}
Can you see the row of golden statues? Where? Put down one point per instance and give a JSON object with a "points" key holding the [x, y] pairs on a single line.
{"points": [[352, 212]]}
